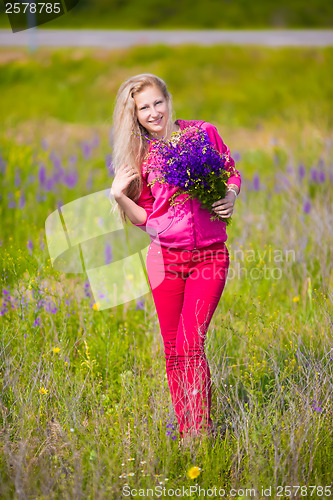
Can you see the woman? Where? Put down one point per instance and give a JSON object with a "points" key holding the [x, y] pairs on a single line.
{"points": [[187, 260]]}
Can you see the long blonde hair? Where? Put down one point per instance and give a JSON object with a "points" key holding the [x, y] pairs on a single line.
{"points": [[129, 143]]}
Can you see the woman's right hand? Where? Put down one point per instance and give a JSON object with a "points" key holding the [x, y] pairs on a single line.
{"points": [[124, 176]]}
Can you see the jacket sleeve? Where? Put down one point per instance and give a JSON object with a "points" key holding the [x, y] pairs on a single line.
{"points": [[146, 201], [216, 140]]}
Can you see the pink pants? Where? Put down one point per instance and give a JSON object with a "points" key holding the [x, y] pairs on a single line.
{"points": [[187, 286]]}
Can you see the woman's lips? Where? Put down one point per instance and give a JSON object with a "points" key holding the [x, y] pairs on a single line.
{"points": [[156, 122]]}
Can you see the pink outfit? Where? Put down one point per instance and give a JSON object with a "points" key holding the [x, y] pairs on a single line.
{"points": [[187, 274], [185, 225]]}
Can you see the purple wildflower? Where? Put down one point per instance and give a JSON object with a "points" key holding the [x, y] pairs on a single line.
{"points": [[108, 257], [192, 165], [11, 204], [73, 159], [256, 182], [42, 174], [314, 175], [170, 430], [55, 160], [109, 164], [307, 207], [2, 165], [86, 149], [30, 246], [50, 307], [71, 179], [321, 176], [87, 289], [139, 305], [95, 141], [317, 407], [36, 322], [22, 201], [301, 171], [49, 184], [17, 180]]}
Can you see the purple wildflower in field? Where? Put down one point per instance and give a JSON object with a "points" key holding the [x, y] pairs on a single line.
{"points": [[56, 160], [72, 159], [50, 307], [36, 322], [191, 164], [42, 175], [256, 182], [30, 246], [108, 257], [307, 206], [170, 430], [314, 175], [6, 302], [2, 165], [301, 171], [87, 291], [22, 201], [86, 150], [71, 179], [11, 204], [95, 141], [49, 184], [317, 406], [109, 164], [321, 176], [139, 305], [17, 180]]}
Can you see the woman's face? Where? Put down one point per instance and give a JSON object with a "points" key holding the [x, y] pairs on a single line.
{"points": [[152, 110]]}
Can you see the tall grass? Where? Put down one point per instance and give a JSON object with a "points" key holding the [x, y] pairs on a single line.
{"points": [[85, 405]]}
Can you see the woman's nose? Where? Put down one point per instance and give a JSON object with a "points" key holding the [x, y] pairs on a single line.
{"points": [[154, 112]]}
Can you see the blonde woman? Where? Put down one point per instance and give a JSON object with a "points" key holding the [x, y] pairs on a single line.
{"points": [[188, 285]]}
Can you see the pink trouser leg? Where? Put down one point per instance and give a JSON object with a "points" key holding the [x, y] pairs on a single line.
{"points": [[190, 284]]}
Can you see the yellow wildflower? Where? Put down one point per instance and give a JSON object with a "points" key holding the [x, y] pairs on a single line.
{"points": [[296, 299], [194, 472], [56, 350], [96, 306], [42, 391]]}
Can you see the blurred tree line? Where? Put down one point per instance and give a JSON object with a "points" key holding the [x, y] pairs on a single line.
{"points": [[196, 14]]}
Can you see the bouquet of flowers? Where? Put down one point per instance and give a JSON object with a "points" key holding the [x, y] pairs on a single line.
{"points": [[190, 162]]}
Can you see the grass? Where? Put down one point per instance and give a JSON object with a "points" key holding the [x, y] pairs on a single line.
{"points": [[85, 405]]}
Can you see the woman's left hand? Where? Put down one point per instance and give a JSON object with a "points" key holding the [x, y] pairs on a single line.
{"points": [[225, 207]]}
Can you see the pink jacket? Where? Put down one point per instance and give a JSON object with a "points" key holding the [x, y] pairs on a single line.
{"points": [[186, 225]]}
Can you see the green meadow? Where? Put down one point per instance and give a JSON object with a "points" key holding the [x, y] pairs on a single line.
{"points": [[85, 404]]}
